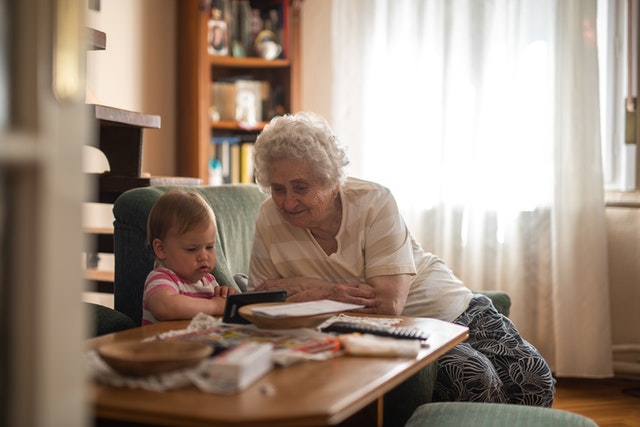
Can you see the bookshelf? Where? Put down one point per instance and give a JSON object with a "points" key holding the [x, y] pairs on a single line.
{"points": [[198, 69]]}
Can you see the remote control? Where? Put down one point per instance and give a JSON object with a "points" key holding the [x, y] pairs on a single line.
{"points": [[341, 327]]}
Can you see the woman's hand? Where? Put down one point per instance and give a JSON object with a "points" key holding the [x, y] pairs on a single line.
{"points": [[296, 285], [300, 289], [382, 295]]}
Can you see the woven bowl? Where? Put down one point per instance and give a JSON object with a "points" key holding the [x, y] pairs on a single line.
{"points": [[141, 358]]}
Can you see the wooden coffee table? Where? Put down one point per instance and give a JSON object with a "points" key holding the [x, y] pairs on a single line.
{"points": [[343, 390]]}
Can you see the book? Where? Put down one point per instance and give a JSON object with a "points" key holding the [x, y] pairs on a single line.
{"points": [[240, 28], [246, 163], [229, 162], [234, 175], [237, 368]]}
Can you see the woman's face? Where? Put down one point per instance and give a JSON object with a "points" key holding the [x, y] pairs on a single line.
{"points": [[301, 199]]}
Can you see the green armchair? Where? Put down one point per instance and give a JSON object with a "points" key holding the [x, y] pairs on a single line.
{"points": [[236, 208]]}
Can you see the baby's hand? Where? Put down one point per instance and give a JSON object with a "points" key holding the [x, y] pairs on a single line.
{"points": [[223, 291]]}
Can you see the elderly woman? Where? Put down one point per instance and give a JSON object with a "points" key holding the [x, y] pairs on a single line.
{"points": [[323, 235]]}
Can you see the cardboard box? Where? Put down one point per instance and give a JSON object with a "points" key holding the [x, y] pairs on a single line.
{"points": [[239, 367]]}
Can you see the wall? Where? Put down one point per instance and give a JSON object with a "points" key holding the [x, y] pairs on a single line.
{"points": [[316, 67], [137, 72]]}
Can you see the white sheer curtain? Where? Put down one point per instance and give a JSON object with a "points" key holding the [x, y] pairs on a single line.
{"points": [[482, 117]]}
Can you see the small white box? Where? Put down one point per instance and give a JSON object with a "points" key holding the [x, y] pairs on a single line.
{"points": [[237, 368]]}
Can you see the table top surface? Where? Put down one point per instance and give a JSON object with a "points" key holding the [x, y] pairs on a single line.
{"points": [[305, 394]]}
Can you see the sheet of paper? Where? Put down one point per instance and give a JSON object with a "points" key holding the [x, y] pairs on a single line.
{"points": [[309, 308]]}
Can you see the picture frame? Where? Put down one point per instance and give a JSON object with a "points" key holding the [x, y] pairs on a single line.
{"points": [[218, 37]]}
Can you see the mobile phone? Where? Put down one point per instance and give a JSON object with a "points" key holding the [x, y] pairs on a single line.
{"points": [[235, 301]]}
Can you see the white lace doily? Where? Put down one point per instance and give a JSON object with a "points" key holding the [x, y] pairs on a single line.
{"points": [[100, 371]]}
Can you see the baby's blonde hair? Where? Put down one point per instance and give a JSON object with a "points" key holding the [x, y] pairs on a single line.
{"points": [[178, 209]]}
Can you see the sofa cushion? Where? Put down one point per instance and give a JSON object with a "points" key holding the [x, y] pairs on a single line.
{"points": [[461, 414], [107, 320], [501, 301], [400, 403], [236, 208]]}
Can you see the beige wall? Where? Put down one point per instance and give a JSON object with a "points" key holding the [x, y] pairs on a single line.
{"points": [[316, 58], [137, 72]]}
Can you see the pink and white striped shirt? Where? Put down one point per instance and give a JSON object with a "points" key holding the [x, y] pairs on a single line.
{"points": [[164, 278]]}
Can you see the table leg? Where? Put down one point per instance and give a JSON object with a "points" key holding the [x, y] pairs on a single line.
{"points": [[370, 415]]}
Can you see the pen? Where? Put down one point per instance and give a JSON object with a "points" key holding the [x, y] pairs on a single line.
{"points": [[318, 346]]}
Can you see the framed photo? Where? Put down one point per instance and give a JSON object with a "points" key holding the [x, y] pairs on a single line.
{"points": [[218, 37]]}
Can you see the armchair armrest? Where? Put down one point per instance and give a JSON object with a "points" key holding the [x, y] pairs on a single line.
{"points": [[500, 299]]}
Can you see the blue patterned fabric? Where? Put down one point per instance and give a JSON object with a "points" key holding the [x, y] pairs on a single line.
{"points": [[495, 364]]}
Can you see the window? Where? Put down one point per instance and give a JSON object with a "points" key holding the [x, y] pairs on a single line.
{"points": [[617, 91]]}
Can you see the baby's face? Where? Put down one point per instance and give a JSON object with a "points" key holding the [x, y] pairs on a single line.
{"points": [[192, 254]]}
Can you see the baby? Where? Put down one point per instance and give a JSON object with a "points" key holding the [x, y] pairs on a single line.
{"points": [[182, 233]]}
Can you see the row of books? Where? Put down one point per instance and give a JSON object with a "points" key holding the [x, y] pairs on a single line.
{"points": [[231, 160]]}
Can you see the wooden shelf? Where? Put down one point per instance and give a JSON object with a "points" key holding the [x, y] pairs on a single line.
{"points": [[96, 275], [111, 116], [248, 62], [121, 137], [111, 186], [97, 39], [622, 199], [236, 126], [100, 239], [98, 230]]}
